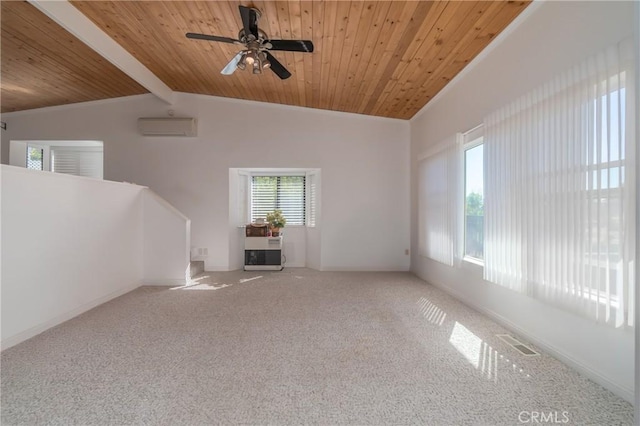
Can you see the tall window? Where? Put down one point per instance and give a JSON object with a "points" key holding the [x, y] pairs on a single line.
{"points": [[561, 190], [474, 196], [286, 193], [439, 178], [35, 158]]}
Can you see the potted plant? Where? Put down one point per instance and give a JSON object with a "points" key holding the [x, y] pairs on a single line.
{"points": [[276, 221]]}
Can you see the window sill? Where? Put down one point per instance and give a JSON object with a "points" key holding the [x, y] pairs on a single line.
{"points": [[475, 266], [288, 226], [474, 261]]}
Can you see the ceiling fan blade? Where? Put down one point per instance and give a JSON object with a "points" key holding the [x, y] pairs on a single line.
{"points": [[212, 38], [249, 20], [232, 65], [277, 67], [292, 45]]}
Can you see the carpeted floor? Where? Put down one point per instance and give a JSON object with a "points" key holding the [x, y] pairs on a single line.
{"points": [[291, 347]]}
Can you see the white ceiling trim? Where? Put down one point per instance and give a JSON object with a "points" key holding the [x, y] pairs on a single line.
{"points": [[71, 19]]}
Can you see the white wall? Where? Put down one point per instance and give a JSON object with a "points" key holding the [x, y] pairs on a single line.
{"points": [[237, 221], [18, 154], [167, 242], [294, 246], [553, 36], [69, 244], [364, 162], [636, 49]]}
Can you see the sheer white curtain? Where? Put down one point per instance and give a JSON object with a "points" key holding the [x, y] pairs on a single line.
{"points": [[438, 206], [560, 190]]}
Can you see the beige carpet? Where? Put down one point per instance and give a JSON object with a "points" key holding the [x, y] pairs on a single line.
{"points": [[290, 347]]}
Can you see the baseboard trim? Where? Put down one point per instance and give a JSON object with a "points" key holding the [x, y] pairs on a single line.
{"points": [[625, 393], [363, 269], [34, 331]]}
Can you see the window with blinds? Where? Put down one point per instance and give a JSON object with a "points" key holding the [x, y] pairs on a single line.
{"points": [[79, 162], [286, 193], [312, 194]]}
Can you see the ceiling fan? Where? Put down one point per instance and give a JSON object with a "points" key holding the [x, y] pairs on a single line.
{"points": [[257, 45]]}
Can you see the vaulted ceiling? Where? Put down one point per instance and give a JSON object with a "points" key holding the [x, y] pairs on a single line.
{"points": [[382, 58]]}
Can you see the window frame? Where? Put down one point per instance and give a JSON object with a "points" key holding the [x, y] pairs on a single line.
{"points": [[242, 210], [312, 197], [470, 139], [257, 173], [42, 156]]}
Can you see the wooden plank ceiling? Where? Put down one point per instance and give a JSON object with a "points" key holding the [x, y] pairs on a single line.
{"points": [[43, 65], [371, 57]]}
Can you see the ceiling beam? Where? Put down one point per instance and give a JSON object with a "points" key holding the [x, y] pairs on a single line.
{"points": [[71, 19]]}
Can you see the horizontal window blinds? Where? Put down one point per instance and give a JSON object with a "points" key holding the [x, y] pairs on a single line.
{"points": [[286, 193], [85, 162]]}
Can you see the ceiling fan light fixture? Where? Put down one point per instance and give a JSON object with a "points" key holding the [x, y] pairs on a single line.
{"points": [[257, 67], [262, 56], [250, 57], [242, 64]]}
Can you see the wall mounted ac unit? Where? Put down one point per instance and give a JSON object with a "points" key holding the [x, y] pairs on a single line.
{"points": [[167, 126]]}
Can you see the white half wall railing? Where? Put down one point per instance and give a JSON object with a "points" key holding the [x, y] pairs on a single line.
{"points": [[167, 242], [72, 243]]}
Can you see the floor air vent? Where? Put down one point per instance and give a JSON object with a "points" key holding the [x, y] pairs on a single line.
{"points": [[518, 345]]}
